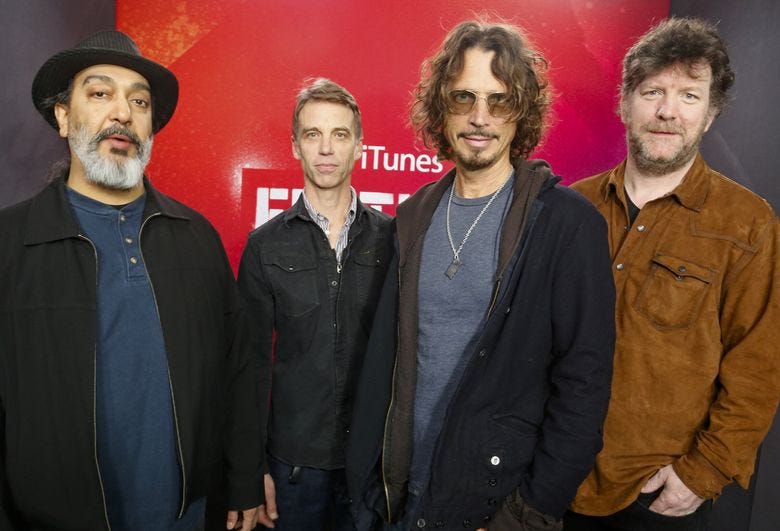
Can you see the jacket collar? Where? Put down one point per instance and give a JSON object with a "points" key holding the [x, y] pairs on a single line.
{"points": [[690, 193], [415, 214], [50, 217]]}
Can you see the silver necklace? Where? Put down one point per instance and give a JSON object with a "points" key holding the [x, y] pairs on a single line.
{"points": [[452, 269]]}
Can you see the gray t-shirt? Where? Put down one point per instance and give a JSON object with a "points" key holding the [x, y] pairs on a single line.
{"points": [[451, 311]]}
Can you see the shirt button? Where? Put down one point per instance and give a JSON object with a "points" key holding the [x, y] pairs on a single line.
{"points": [[619, 267], [133, 260], [129, 240], [482, 353], [290, 268], [508, 309], [681, 269], [334, 283], [421, 523], [121, 217], [641, 228], [495, 460]]}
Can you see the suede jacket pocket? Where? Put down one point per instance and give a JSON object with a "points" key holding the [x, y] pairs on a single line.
{"points": [[672, 294]]}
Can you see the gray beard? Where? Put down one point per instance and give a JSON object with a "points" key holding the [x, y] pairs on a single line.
{"points": [[108, 173], [661, 166]]}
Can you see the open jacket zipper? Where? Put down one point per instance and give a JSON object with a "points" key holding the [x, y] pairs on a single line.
{"points": [[94, 397]]}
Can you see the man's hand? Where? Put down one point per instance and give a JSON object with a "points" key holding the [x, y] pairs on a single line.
{"points": [[266, 513], [675, 499], [246, 520]]}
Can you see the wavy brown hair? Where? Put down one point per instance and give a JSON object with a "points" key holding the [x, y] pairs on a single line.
{"points": [[687, 41], [516, 64]]}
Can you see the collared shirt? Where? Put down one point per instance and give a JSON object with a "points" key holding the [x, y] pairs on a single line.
{"points": [[310, 325], [696, 369], [324, 223]]}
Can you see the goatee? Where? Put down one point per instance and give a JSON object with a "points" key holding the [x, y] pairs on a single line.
{"points": [[474, 160], [124, 173]]}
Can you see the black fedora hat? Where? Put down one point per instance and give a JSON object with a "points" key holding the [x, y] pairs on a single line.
{"points": [[110, 48]]}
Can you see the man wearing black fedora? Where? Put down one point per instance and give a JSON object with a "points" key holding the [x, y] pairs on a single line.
{"points": [[126, 387]]}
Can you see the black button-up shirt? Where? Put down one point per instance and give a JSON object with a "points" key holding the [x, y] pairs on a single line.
{"points": [[310, 324]]}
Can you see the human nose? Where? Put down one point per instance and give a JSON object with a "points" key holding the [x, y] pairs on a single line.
{"points": [[120, 111], [326, 145], [667, 108], [480, 113]]}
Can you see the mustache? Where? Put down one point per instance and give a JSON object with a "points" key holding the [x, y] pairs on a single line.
{"points": [[116, 130], [477, 132], [662, 128]]}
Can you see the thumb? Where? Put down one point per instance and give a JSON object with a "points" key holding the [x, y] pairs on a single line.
{"points": [[232, 519], [655, 482]]}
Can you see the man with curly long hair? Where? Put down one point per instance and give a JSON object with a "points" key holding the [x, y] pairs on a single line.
{"points": [[488, 369]]}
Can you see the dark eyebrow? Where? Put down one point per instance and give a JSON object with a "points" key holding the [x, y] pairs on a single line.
{"points": [[108, 79], [141, 86], [97, 77]]}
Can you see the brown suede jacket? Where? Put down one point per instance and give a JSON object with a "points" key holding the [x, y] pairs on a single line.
{"points": [[697, 359]]}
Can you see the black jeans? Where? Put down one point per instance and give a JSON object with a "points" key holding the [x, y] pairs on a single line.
{"points": [[637, 517]]}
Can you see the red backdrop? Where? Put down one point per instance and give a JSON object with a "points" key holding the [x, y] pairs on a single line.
{"points": [[226, 152]]}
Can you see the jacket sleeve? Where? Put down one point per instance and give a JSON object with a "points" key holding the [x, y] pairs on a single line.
{"points": [[5, 502], [749, 376], [244, 448], [9, 518], [372, 399], [259, 304], [583, 327]]}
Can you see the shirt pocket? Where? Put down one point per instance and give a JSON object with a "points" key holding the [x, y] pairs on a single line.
{"points": [[673, 292], [369, 274], [295, 283]]}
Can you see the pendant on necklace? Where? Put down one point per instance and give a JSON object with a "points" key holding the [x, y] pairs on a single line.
{"points": [[453, 268]]}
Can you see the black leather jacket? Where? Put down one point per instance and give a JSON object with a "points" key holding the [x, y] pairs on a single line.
{"points": [[49, 475], [310, 324]]}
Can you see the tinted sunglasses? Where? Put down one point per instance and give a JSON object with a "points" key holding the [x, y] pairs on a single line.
{"points": [[462, 101]]}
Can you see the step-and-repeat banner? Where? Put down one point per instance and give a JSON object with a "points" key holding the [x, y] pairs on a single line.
{"points": [[240, 63]]}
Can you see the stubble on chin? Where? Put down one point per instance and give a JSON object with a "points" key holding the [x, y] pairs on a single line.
{"points": [[659, 165], [474, 163]]}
